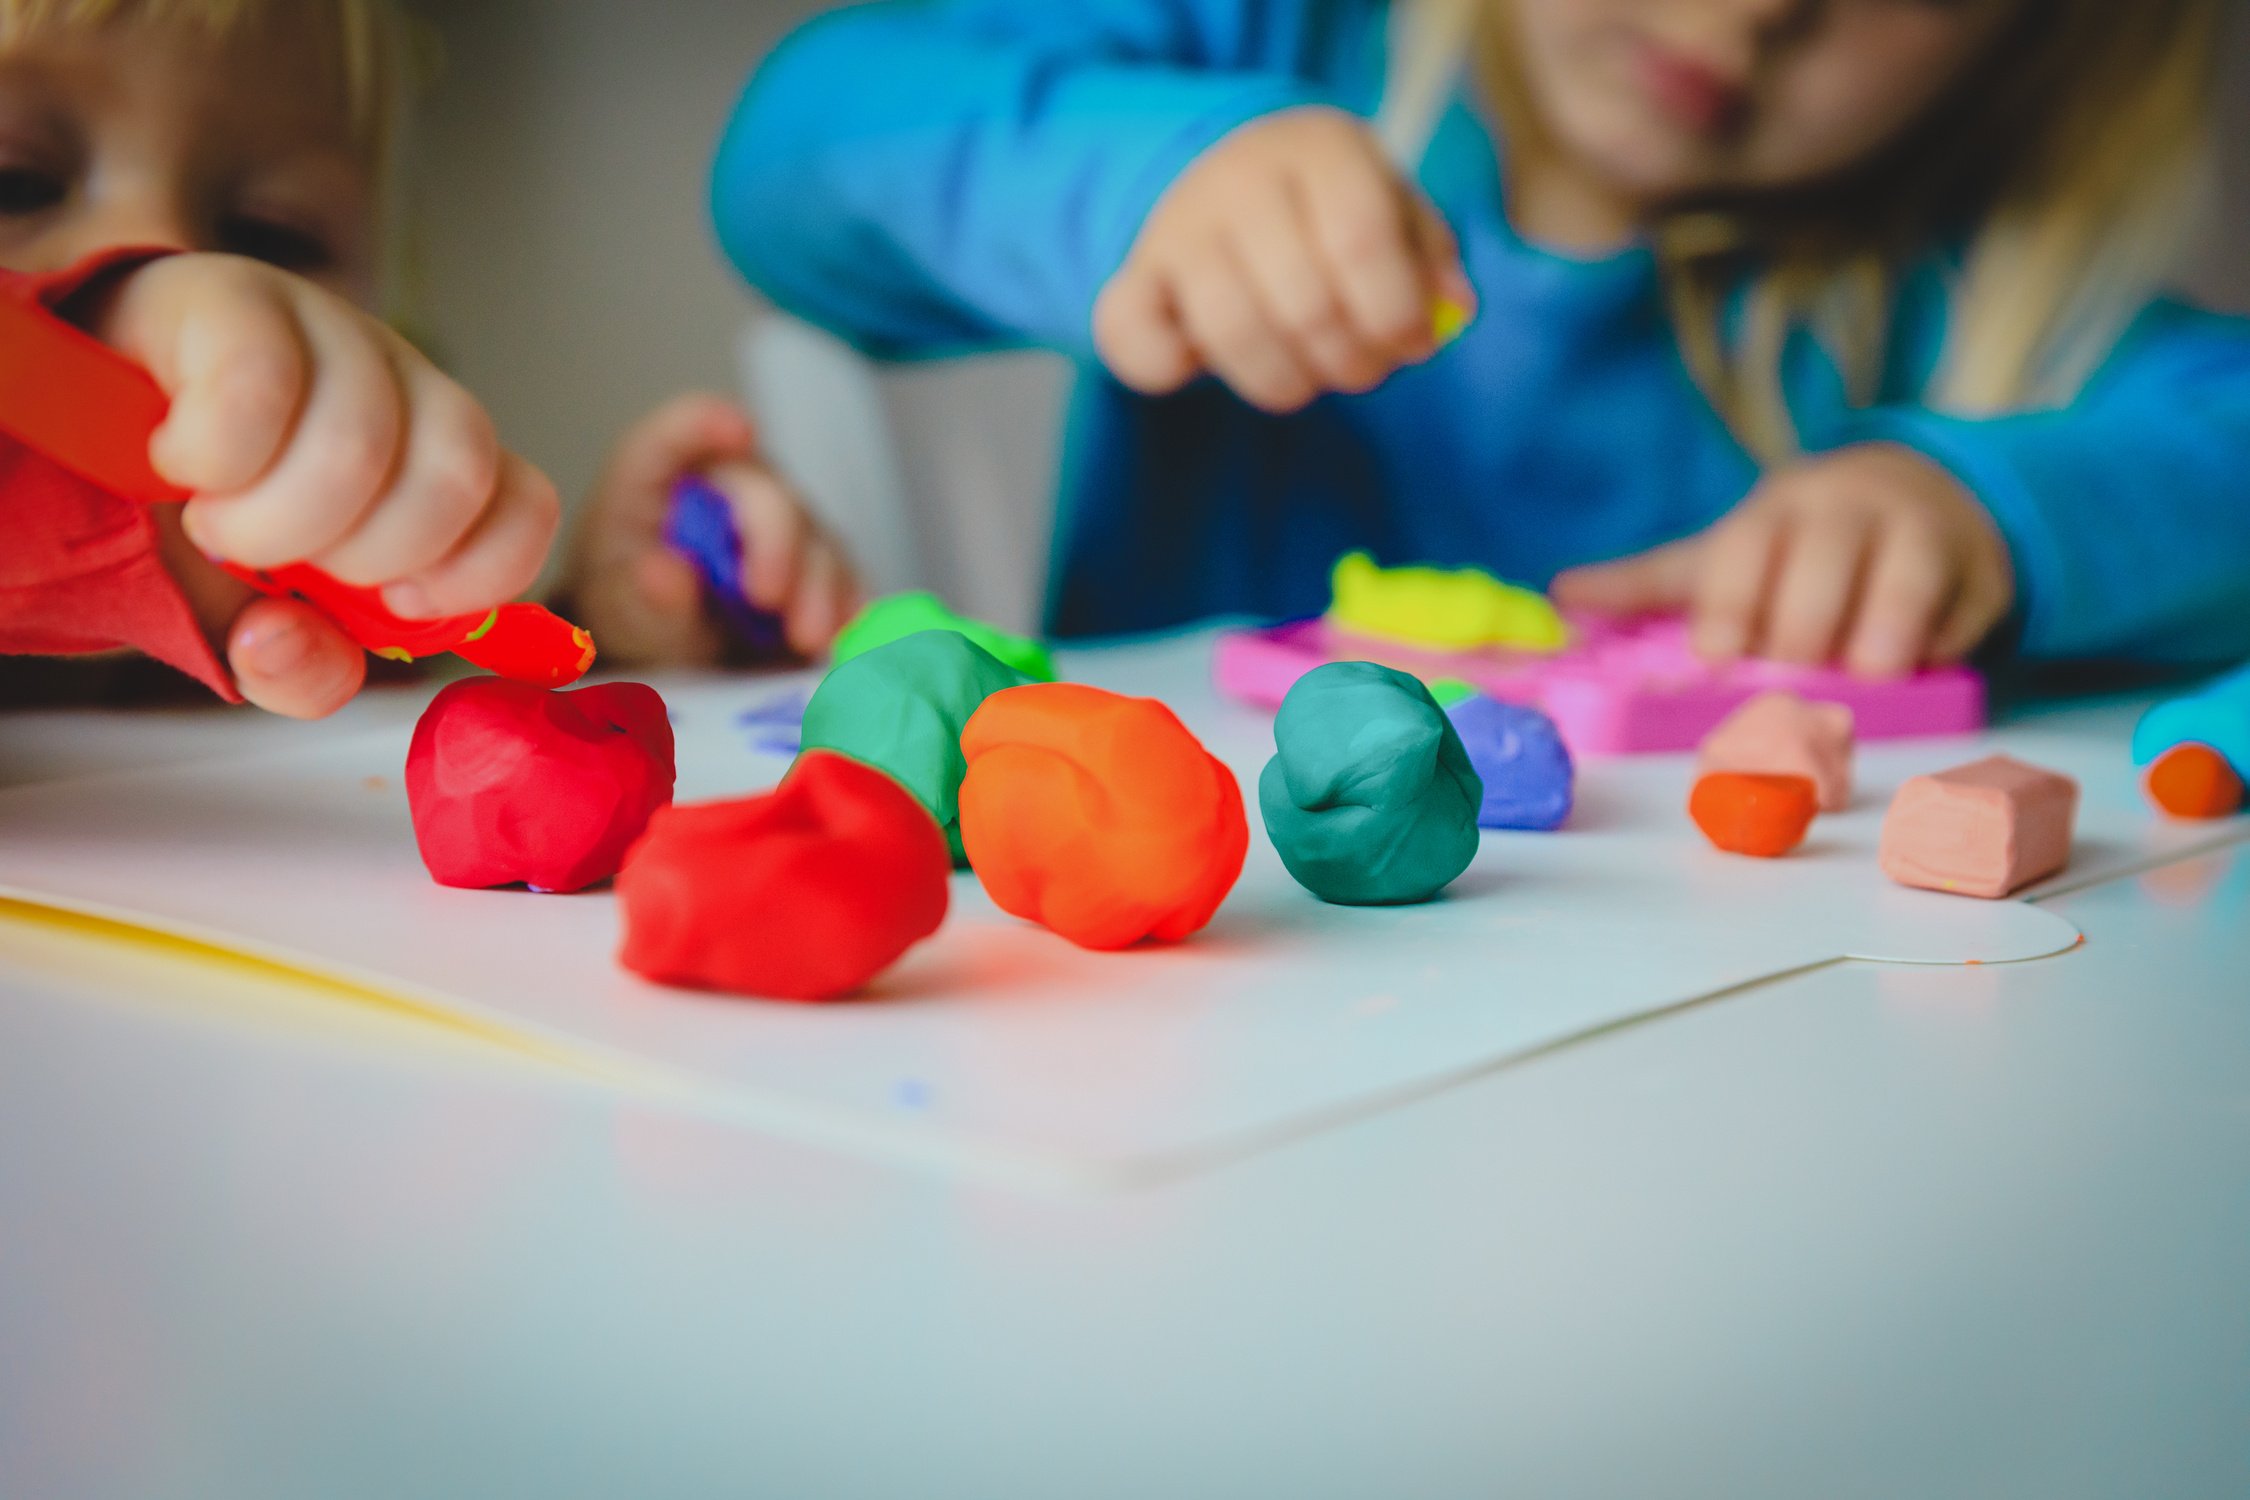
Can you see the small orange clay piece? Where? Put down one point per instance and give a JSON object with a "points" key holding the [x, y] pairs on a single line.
{"points": [[2194, 781], [1744, 812], [1098, 816]]}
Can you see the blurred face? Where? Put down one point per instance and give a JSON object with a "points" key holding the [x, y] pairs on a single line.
{"points": [[137, 134], [1671, 100]]}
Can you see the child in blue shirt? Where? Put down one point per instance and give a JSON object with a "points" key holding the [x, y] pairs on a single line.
{"points": [[1837, 323]]}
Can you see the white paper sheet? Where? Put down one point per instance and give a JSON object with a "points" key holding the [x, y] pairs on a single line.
{"points": [[998, 1045]]}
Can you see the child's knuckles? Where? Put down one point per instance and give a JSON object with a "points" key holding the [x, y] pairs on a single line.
{"points": [[346, 465], [461, 467]]}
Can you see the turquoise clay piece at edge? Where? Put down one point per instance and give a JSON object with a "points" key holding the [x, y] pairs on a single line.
{"points": [[900, 615], [1370, 798], [900, 708]]}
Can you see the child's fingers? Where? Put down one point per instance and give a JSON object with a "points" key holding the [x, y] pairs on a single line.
{"points": [[1815, 589], [683, 436], [822, 601], [1732, 584], [1138, 334], [1238, 341], [1362, 224], [775, 532], [1441, 256], [289, 660], [236, 371], [338, 460], [1983, 602], [1655, 582], [1909, 587], [499, 559], [1274, 244], [450, 473]]}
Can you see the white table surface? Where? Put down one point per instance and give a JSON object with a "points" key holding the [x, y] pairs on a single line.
{"points": [[1875, 1230]]}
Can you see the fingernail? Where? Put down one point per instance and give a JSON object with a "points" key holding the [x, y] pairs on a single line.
{"points": [[275, 648], [409, 601]]}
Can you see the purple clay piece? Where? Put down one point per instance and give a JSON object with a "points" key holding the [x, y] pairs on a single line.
{"points": [[1527, 770], [700, 527], [777, 724]]}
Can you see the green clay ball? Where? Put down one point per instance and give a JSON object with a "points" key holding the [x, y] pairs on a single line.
{"points": [[901, 615], [1371, 800], [900, 708]]}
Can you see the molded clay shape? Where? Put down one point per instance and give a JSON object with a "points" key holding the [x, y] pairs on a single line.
{"points": [[1743, 812], [1099, 816], [1521, 759], [2194, 781], [1781, 734], [901, 708], [2196, 750], [806, 893], [900, 615], [1370, 797], [1987, 829], [1465, 609], [511, 783]]}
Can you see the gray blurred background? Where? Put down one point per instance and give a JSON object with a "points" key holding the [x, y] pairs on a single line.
{"points": [[570, 273]]}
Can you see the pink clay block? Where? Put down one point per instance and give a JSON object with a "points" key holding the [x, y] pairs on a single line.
{"points": [[1781, 734], [1987, 829]]}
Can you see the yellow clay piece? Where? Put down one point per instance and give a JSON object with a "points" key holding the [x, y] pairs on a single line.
{"points": [[1464, 609], [1448, 321]]}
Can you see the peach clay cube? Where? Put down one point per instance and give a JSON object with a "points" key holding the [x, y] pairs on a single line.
{"points": [[1986, 829], [1780, 734]]}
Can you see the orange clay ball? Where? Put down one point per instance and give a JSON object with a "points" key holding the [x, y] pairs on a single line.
{"points": [[2194, 781], [1742, 813], [1097, 815]]}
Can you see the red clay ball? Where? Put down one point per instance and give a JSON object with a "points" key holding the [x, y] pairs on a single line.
{"points": [[514, 784], [805, 893]]}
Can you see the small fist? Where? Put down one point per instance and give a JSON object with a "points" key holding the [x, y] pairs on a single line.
{"points": [[309, 432], [643, 601], [1290, 259]]}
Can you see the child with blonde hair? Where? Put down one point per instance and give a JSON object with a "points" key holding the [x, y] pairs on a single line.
{"points": [[1839, 324], [203, 185]]}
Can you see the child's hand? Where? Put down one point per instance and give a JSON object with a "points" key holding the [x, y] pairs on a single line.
{"points": [[310, 432], [1289, 259], [1872, 554], [644, 601]]}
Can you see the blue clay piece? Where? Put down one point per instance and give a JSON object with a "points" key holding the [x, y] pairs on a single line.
{"points": [[1520, 756], [2217, 716], [1370, 799], [700, 527]]}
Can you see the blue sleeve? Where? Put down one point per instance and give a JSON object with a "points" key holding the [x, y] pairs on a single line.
{"points": [[2128, 512], [930, 178]]}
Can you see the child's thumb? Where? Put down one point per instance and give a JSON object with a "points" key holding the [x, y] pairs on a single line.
{"points": [[1440, 256], [1658, 582], [684, 436], [290, 660]]}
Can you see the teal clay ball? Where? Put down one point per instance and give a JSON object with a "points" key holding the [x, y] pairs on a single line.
{"points": [[1370, 798]]}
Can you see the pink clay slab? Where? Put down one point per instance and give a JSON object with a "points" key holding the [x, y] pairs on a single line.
{"points": [[1625, 687]]}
